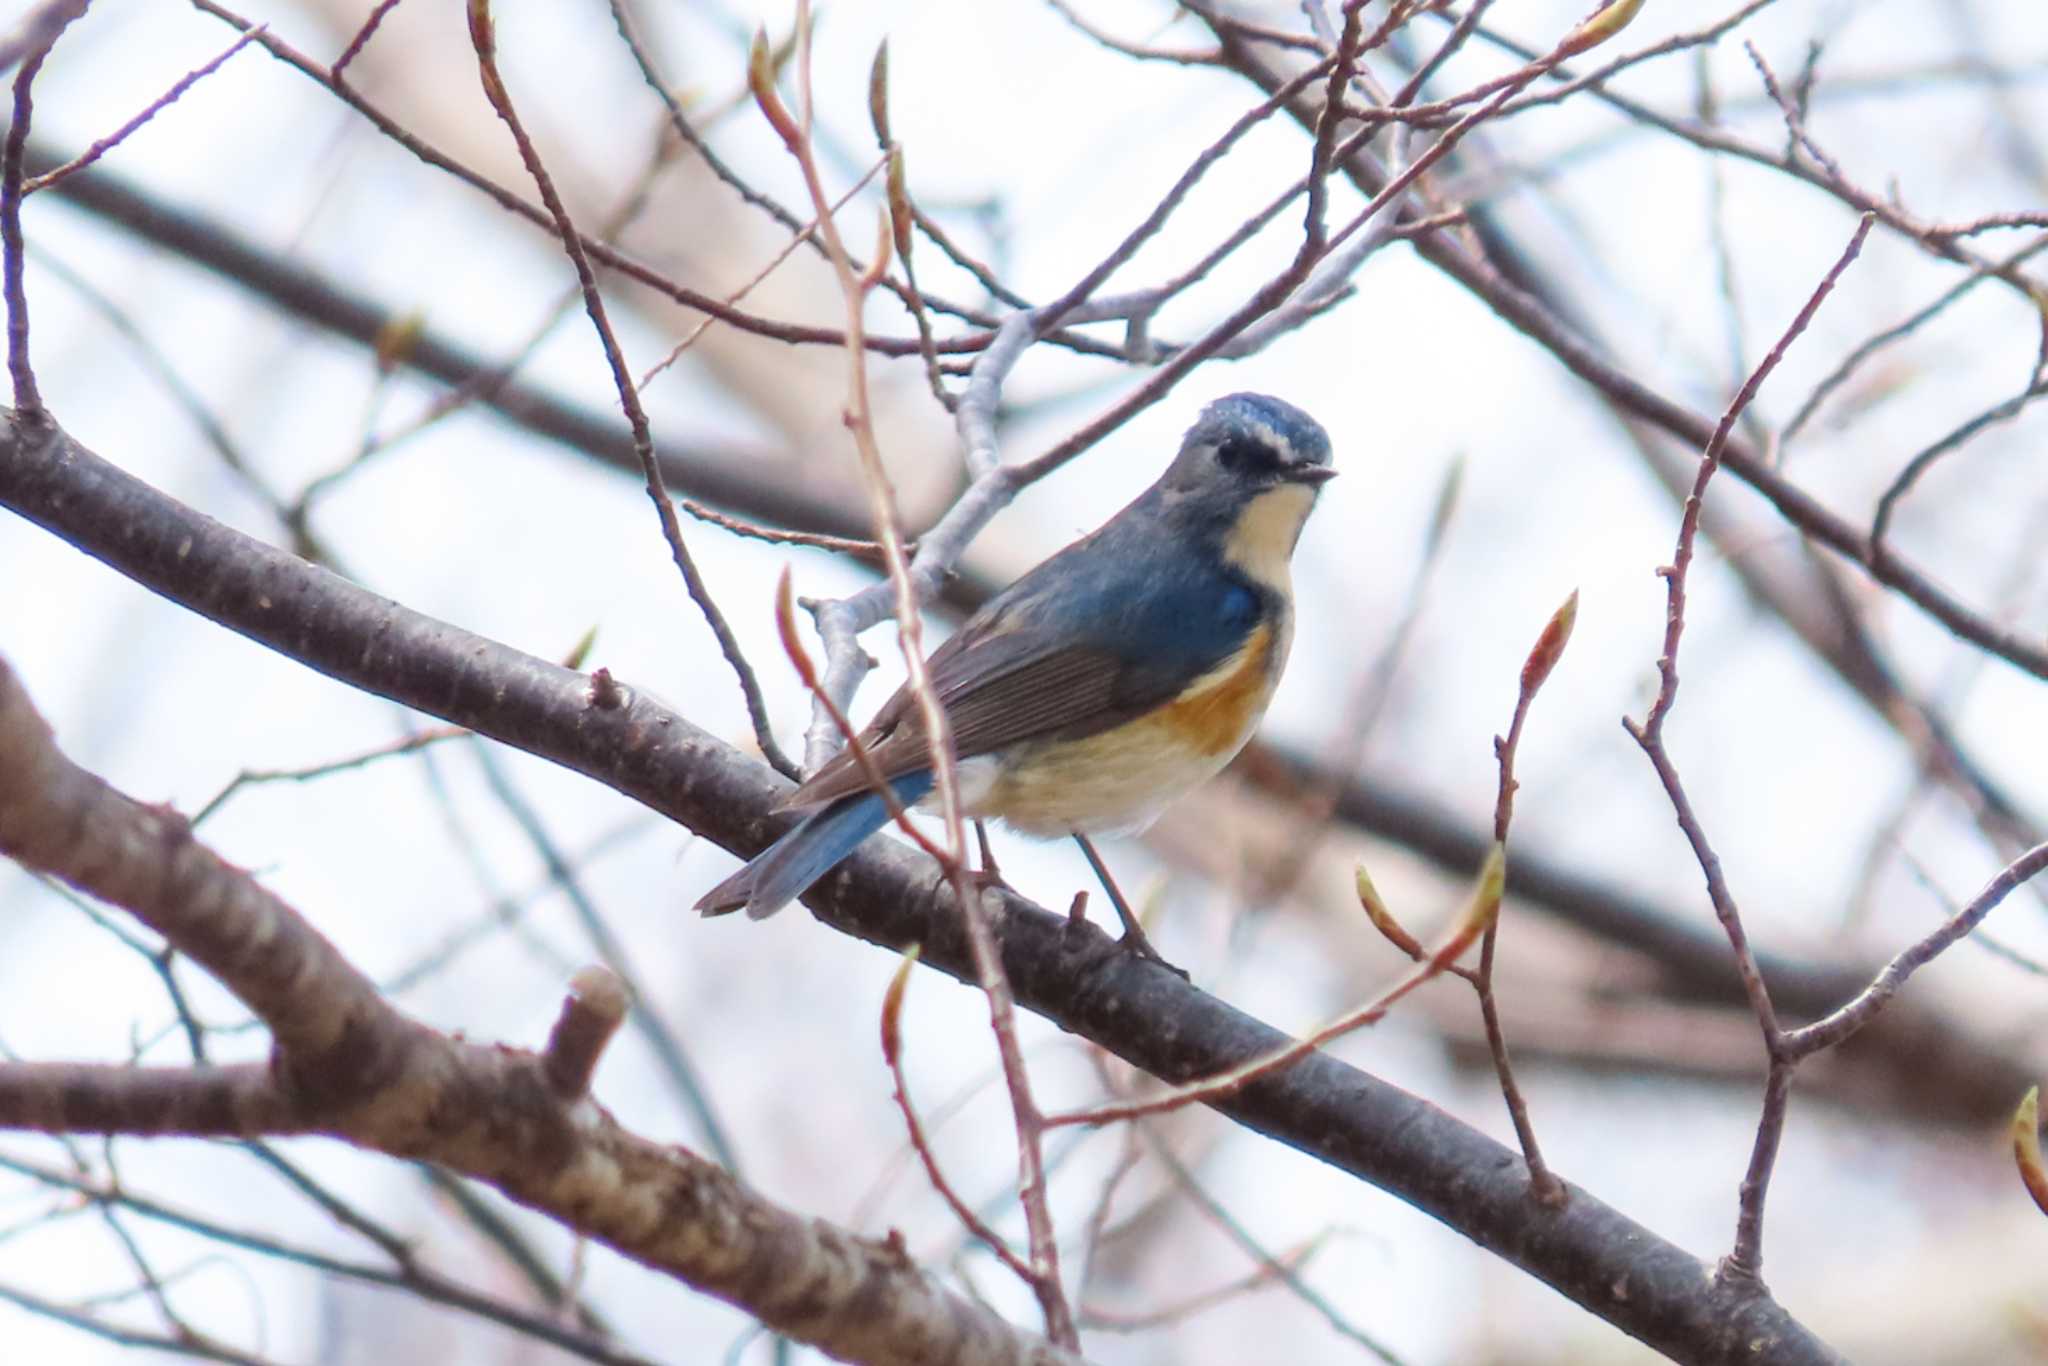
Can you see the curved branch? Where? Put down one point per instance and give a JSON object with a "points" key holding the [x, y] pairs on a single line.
{"points": [[349, 1065], [887, 894]]}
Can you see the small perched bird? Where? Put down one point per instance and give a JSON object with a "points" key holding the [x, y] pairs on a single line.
{"points": [[1101, 686]]}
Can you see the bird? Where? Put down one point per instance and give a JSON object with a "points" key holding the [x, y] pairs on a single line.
{"points": [[1103, 684]]}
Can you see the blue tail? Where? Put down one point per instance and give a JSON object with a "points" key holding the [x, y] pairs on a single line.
{"points": [[786, 869]]}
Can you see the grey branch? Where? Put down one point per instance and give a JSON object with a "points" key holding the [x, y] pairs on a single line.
{"points": [[37, 29], [350, 1066], [885, 894]]}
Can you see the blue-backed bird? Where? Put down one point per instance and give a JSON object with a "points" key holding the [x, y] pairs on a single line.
{"points": [[1106, 682]]}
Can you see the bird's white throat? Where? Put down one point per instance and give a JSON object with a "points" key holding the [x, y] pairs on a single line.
{"points": [[1262, 542]]}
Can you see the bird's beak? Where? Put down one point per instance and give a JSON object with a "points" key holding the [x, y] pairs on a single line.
{"points": [[1312, 475]]}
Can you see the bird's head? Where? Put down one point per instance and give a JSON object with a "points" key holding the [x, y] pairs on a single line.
{"points": [[1251, 467]]}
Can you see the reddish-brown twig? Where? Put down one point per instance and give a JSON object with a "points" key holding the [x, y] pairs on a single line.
{"points": [[484, 39], [1543, 657], [1460, 32], [28, 399], [797, 239], [892, 1053], [903, 217], [250, 777], [2026, 1148], [807, 674], [1745, 1259], [156, 106], [738, 526], [361, 39], [1479, 913], [1323, 140], [855, 286]]}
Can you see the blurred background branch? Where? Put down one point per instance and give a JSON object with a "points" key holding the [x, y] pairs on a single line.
{"points": [[1103, 204]]}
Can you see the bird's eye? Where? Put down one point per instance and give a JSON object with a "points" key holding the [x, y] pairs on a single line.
{"points": [[1242, 453]]}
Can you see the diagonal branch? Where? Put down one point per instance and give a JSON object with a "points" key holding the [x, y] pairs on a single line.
{"points": [[483, 37], [1590, 1252], [347, 1064]]}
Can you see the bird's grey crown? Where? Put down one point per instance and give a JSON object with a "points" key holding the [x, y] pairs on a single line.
{"points": [[1292, 435]]}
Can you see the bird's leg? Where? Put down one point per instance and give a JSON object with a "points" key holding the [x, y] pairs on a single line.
{"points": [[1134, 940], [988, 875]]}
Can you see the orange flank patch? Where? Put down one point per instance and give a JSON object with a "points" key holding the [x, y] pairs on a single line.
{"points": [[1120, 779], [1216, 714]]}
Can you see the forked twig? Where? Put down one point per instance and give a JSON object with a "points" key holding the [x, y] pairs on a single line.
{"points": [[1536, 669], [892, 1053], [483, 38], [1479, 913], [855, 286], [1745, 1259], [101, 146]]}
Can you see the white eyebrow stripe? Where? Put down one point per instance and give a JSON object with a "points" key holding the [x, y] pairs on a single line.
{"points": [[1276, 439]]}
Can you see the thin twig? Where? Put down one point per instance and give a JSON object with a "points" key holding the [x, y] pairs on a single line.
{"points": [[251, 777], [844, 545], [483, 39], [849, 734], [1745, 1259], [892, 1054], [1479, 913], [1176, 56], [1542, 659], [854, 288], [1870, 347], [685, 1078], [1234, 1229], [1323, 141], [28, 400], [1956, 439], [172, 1342], [415, 1279], [603, 253], [361, 39], [797, 239], [156, 106], [1460, 32], [1854, 1014]]}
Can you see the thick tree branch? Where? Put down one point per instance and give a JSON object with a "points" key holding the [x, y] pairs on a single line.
{"points": [[349, 1065], [1691, 955], [101, 1098], [887, 894]]}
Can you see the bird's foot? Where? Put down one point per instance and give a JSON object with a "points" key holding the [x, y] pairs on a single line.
{"points": [[982, 879], [988, 875], [1102, 949], [1134, 943]]}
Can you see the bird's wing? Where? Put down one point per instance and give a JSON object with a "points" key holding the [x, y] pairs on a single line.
{"points": [[1003, 680]]}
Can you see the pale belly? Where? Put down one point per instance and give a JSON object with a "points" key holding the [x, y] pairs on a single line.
{"points": [[1120, 781], [1113, 784]]}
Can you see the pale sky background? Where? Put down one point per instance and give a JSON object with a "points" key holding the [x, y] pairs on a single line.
{"points": [[1872, 1221]]}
